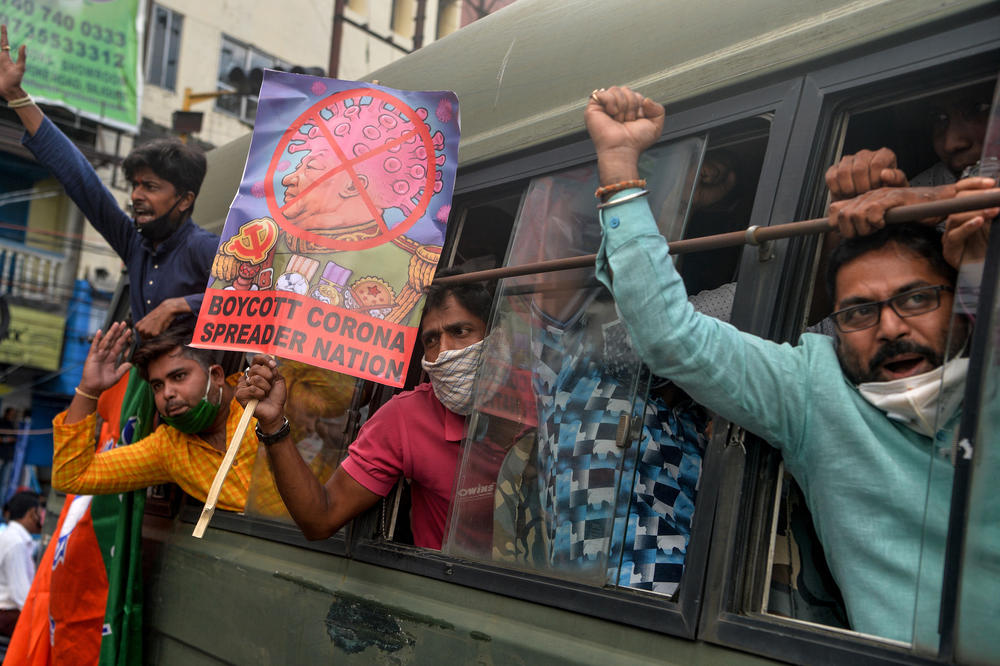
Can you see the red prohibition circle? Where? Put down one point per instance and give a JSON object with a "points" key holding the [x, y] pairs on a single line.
{"points": [[347, 159]]}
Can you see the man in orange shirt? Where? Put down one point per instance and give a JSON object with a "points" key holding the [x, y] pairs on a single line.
{"points": [[196, 408]]}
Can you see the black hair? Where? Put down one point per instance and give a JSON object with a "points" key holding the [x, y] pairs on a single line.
{"points": [[176, 336], [179, 164], [920, 239], [472, 296], [20, 504]]}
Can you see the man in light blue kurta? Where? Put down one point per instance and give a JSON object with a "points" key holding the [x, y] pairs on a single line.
{"points": [[865, 476]]}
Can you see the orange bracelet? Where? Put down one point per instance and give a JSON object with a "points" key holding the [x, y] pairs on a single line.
{"points": [[608, 190]]}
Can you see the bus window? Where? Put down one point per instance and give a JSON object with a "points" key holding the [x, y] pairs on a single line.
{"points": [[723, 200], [550, 444], [969, 259], [483, 229], [479, 230], [978, 598], [578, 464], [934, 137], [321, 407]]}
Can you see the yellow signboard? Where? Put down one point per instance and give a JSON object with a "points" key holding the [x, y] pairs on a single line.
{"points": [[35, 339]]}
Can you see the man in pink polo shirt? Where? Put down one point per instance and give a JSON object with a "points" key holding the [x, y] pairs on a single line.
{"points": [[416, 435]]}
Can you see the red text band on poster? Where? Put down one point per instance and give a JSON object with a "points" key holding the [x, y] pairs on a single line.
{"points": [[294, 327]]}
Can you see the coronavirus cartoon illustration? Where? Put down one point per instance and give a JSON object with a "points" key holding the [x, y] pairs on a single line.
{"points": [[364, 167]]}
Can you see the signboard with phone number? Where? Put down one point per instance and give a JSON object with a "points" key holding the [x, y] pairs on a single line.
{"points": [[81, 55]]}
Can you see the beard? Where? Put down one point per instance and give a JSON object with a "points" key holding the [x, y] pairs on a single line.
{"points": [[859, 372]]}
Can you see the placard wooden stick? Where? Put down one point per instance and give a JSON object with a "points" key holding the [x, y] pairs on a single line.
{"points": [[220, 476]]}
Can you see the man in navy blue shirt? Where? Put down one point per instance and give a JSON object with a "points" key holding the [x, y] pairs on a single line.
{"points": [[168, 257]]}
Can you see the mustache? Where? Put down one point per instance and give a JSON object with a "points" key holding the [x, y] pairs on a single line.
{"points": [[897, 347], [173, 404]]}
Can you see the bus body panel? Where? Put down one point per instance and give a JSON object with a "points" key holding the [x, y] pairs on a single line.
{"points": [[288, 605], [523, 75]]}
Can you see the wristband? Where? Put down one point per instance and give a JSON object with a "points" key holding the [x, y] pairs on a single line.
{"points": [[605, 191], [620, 200], [274, 437], [20, 102], [85, 394]]}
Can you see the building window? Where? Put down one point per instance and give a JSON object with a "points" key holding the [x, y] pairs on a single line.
{"points": [[235, 55], [449, 17], [164, 48], [402, 18]]}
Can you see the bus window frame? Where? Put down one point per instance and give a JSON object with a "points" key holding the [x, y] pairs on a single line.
{"points": [[733, 586], [967, 467]]}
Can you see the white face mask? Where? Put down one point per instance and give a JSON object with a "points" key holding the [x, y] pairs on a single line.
{"points": [[453, 375], [917, 401]]}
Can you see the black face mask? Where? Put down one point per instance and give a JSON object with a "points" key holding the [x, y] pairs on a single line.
{"points": [[160, 228]]}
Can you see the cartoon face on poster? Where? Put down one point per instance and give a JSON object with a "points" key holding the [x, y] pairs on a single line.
{"points": [[337, 226]]}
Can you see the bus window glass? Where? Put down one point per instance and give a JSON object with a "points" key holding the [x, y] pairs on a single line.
{"points": [[479, 231], [969, 258], [319, 405], [565, 458], [978, 597], [932, 137], [483, 228], [942, 413], [723, 199], [519, 499]]}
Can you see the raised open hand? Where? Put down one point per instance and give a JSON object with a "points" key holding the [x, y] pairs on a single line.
{"points": [[101, 369], [11, 71]]}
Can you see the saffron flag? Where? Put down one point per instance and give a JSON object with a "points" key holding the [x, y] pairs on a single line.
{"points": [[337, 226], [85, 604]]}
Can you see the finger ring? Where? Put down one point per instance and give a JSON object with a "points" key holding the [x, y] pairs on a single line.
{"points": [[593, 95], [246, 375], [4, 48]]}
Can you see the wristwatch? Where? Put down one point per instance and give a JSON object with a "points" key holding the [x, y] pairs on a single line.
{"points": [[280, 434]]}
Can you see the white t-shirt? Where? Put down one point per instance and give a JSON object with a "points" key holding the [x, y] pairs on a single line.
{"points": [[17, 568]]}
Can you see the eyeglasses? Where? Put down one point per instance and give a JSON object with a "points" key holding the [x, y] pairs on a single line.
{"points": [[907, 304]]}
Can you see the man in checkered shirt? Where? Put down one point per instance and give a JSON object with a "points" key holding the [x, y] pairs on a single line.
{"points": [[578, 502]]}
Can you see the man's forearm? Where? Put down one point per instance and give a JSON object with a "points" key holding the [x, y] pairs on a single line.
{"points": [[615, 166], [30, 115], [82, 184], [78, 468], [74, 449], [83, 405]]}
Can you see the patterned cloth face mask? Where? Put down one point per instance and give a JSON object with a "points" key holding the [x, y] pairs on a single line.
{"points": [[453, 375]]}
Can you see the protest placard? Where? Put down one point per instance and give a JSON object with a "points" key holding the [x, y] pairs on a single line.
{"points": [[337, 226]]}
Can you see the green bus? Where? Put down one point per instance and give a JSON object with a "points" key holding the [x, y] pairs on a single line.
{"points": [[761, 98]]}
